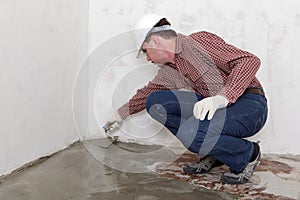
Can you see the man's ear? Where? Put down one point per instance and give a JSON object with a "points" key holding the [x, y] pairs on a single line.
{"points": [[156, 39]]}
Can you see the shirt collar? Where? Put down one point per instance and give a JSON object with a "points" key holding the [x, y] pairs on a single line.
{"points": [[178, 48], [179, 40]]}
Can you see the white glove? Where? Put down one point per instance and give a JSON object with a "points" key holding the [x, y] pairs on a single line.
{"points": [[209, 105]]}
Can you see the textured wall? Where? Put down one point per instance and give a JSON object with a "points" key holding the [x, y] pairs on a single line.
{"points": [[266, 28], [42, 44]]}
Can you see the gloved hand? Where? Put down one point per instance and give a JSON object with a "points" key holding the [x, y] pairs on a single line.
{"points": [[209, 105]]}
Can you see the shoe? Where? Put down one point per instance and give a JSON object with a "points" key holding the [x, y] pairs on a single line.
{"points": [[245, 175], [203, 166]]}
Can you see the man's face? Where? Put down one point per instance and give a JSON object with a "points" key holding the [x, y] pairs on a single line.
{"points": [[154, 52]]}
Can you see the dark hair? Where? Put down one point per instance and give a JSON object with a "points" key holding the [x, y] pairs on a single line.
{"points": [[166, 34], [162, 22]]}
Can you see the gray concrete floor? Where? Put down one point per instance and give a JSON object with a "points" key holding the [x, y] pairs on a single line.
{"points": [[88, 171]]}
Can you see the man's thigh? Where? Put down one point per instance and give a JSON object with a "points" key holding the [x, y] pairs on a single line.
{"points": [[175, 102], [242, 119]]}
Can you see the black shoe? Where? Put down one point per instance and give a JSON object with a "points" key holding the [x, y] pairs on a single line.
{"points": [[203, 166], [245, 175]]}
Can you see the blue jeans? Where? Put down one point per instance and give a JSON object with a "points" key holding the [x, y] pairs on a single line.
{"points": [[221, 137]]}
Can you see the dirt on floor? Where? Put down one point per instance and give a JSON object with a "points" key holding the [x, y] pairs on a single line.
{"points": [[251, 190]]}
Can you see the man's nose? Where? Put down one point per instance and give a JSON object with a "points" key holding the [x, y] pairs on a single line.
{"points": [[148, 58]]}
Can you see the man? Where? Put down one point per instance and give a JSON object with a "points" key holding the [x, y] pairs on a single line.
{"points": [[223, 102]]}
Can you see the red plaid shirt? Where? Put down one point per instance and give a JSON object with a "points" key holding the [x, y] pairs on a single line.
{"points": [[204, 64]]}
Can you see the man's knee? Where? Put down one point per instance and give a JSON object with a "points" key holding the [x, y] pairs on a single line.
{"points": [[155, 98], [155, 108], [150, 101]]}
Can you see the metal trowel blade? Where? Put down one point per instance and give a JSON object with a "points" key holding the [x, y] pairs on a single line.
{"points": [[107, 142]]}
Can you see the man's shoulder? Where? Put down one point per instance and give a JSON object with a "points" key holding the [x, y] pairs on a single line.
{"points": [[205, 35]]}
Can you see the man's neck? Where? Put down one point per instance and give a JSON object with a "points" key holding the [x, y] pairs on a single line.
{"points": [[171, 46]]}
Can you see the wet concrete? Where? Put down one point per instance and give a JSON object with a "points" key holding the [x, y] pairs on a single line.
{"points": [[88, 171]]}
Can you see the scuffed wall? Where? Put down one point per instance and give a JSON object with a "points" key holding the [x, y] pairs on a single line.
{"points": [[42, 44], [269, 29]]}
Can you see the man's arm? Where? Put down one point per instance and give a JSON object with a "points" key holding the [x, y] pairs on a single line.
{"points": [[242, 74], [240, 66], [167, 78], [232, 67]]}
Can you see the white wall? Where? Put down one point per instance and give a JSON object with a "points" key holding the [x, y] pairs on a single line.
{"points": [[42, 44], [269, 29]]}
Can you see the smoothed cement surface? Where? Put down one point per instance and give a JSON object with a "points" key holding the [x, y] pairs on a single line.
{"points": [[77, 174]]}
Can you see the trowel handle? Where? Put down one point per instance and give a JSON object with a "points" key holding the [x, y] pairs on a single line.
{"points": [[111, 126]]}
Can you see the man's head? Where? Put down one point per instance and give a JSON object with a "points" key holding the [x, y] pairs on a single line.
{"points": [[156, 39]]}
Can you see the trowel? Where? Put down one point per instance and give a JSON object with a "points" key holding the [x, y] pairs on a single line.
{"points": [[108, 128]]}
